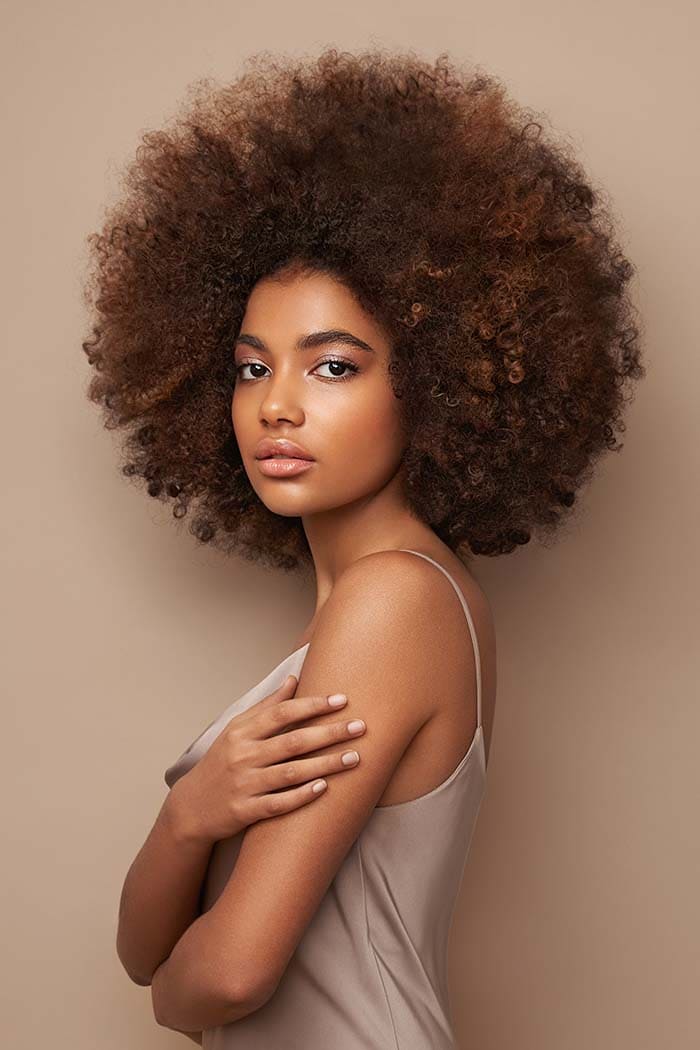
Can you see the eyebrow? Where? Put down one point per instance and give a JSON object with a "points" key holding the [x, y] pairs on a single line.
{"points": [[312, 340]]}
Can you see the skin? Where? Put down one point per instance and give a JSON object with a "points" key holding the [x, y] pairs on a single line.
{"points": [[350, 501], [230, 960]]}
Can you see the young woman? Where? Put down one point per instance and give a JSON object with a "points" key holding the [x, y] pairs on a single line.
{"points": [[354, 314]]}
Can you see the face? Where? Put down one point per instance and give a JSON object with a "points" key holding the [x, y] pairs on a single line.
{"points": [[311, 368]]}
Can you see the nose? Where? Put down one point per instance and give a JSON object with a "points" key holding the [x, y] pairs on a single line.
{"points": [[280, 401]]}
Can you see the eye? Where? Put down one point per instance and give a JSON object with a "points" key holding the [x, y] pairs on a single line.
{"points": [[331, 362], [339, 362], [248, 364]]}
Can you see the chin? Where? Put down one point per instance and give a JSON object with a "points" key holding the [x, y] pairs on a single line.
{"points": [[286, 504]]}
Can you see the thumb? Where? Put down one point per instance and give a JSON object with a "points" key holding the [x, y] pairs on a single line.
{"points": [[289, 684]]}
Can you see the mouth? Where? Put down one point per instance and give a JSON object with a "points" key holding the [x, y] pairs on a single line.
{"points": [[278, 466], [281, 448]]}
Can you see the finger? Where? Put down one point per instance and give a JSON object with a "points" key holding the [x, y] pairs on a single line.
{"points": [[265, 806], [308, 738], [305, 770], [275, 718]]}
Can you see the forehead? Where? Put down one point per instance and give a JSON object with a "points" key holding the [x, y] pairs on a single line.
{"points": [[283, 308]]}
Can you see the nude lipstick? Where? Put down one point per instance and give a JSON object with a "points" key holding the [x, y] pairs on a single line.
{"points": [[281, 458]]}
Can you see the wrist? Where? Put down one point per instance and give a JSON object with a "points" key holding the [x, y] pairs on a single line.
{"points": [[179, 823]]}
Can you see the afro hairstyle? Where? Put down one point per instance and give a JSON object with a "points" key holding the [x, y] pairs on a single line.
{"points": [[455, 219]]}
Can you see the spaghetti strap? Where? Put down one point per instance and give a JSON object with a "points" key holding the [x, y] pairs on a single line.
{"points": [[470, 621]]}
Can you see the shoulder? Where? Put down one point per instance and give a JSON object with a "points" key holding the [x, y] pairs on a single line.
{"points": [[392, 617], [393, 584], [403, 593], [416, 608]]}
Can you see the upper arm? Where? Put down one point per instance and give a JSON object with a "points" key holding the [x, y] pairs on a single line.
{"points": [[373, 642]]}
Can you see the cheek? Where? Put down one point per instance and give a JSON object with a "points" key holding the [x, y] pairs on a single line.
{"points": [[368, 425]]}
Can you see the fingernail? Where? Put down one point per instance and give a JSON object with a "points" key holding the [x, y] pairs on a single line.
{"points": [[337, 699], [356, 726], [349, 758], [318, 786]]}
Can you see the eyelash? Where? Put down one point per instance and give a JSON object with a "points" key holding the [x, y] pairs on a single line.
{"points": [[328, 360]]}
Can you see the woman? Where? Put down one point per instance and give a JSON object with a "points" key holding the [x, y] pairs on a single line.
{"points": [[362, 317]]}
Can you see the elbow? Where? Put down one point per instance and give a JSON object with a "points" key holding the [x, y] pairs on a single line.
{"points": [[143, 980], [139, 976], [140, 980], [248, 995]]}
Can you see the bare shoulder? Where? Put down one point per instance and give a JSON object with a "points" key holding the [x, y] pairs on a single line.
{"points": [[398, 588], [393, 608], [447, 653], [403, 592]]}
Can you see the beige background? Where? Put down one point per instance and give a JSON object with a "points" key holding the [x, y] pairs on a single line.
{"points": [[578, 924]]}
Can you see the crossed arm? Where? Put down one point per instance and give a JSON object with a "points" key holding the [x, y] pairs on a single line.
{"points": [[374, 641]]}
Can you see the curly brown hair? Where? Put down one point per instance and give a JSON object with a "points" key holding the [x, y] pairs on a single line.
{"points": [[481, 247]]}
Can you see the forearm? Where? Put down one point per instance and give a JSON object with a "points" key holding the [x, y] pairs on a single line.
{"points": [[160, 896], [197, 986]]}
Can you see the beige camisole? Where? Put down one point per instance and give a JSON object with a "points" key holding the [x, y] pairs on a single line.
{"points": [[370, 971]]}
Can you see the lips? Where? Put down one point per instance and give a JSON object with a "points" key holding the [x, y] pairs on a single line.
{"points": [[269, 448]]}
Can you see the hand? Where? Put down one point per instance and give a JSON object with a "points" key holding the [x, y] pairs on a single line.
{"points": [[238, 780]]}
